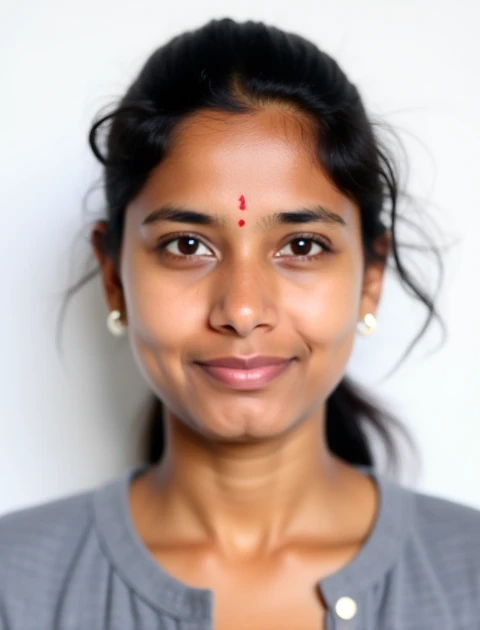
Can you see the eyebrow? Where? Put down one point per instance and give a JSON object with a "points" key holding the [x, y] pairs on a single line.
{"points": [[179, 214]]}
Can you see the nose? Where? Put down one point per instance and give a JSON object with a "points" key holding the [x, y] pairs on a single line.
{"points": [[244, 298]]}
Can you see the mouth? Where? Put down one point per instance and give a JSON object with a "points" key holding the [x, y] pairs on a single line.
{"points": [[245, 379]]}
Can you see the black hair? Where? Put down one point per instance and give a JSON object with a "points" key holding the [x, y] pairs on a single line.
{"points": [[240, 67]]}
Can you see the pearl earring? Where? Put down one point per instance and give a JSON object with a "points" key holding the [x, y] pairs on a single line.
{"points": [[115, 325], [368, 325]]}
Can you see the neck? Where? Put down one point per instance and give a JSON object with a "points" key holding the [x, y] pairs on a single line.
{"points": [[250, 498]]}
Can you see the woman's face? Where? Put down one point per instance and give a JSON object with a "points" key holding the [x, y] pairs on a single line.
{"points": [[245, 289]]}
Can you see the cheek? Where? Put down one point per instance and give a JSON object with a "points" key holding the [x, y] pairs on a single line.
{"points": [[326, 320], [162, 330], [162, 313], [328, 311]]}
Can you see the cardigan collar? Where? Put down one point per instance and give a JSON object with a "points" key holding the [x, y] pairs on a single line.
{"points": [[144, 575]]}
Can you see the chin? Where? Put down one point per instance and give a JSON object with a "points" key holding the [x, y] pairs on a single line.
{"points": [[244, 430]]}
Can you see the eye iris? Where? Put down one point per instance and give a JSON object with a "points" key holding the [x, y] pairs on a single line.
{"points": [[302, 252], [188, 249]]}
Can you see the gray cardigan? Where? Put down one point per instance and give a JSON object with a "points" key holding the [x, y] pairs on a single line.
{"points": [[76, 563]]}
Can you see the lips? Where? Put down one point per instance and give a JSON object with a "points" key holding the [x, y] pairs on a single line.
{"points": [[242, 378], [245, 363]]}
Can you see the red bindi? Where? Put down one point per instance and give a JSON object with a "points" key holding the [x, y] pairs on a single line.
{"points": [[242, 206]]}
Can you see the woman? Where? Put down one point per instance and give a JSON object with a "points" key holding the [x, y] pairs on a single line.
{"points": [[245, 246]]}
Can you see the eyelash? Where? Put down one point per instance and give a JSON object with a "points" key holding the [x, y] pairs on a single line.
{"points": [[162, 245]]}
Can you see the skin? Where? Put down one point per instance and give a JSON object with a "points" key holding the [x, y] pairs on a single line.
{"points": [[247, 493]]}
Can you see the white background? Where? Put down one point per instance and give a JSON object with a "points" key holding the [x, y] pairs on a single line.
{"points": [[66, 428]]}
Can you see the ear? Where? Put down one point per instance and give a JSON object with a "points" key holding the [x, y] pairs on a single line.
{"points": [[374, 275], [112, 284]]}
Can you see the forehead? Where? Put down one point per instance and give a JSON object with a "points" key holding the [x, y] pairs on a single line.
{"points": [[269, 156], [244, 141], [270, 126]]}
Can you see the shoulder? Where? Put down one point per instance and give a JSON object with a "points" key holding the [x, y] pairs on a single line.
{"points": [[38, 542], [52, 519], [451, 525], [444, 510], [444, 550]]}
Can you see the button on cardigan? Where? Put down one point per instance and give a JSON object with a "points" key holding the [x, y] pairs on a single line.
{"points": [[77, 563]]}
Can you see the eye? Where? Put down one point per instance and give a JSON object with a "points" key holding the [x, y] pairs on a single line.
{"points": [[302, 245], [186, 247]]}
